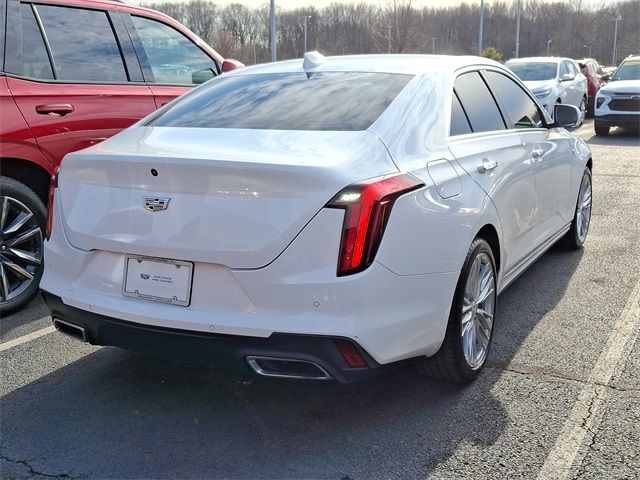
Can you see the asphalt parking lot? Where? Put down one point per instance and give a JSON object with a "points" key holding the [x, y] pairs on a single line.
{"points": [[560, 397]]}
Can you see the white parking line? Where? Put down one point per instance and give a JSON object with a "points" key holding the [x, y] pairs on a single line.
{"points": [[587, 411], [26, 338]]}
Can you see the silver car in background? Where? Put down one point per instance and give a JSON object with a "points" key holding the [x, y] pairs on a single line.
{"points": [[553, 80]]}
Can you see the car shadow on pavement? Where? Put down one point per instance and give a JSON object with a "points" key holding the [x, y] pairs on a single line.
{"points": [[115, 414], [619, 137]]}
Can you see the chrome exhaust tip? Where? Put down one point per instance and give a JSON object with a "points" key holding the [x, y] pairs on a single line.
{"points": [[287, 368], [71, 330]]}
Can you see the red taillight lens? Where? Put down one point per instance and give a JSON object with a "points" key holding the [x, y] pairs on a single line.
{"points": [[350, 354], [368, 206], [52, 190]]}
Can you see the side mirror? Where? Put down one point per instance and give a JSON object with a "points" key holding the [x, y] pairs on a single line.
{"points": [[231, 64], [567, 77], [201, 76], [605, 77], [566, 116]]}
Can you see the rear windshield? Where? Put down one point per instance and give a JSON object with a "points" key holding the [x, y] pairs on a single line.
{"points": [[346, 101], [532, 71]]}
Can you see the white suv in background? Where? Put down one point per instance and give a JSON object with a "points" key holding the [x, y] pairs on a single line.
{"points": [[618, 103], [552, 80]]}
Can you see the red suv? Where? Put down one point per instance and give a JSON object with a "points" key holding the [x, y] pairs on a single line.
{"points": [[595, 79], [75, 72]]}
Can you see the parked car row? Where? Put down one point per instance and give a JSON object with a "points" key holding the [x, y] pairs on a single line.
{"points": [[612, 98], [75, 72], [553, 80]]}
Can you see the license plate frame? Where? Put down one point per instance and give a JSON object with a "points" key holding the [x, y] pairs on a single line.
{"points": [[171, 286]]}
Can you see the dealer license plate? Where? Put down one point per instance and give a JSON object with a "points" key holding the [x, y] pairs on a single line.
{"points": [[158, 279]]}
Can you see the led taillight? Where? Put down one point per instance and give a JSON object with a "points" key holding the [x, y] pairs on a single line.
{"points": [[367, 208], [53, 184]]}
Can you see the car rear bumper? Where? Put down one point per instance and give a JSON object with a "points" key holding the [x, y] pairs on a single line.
{"points": [[319, 354]]}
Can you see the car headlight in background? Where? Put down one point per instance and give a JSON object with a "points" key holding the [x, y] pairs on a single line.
{"points": [[542, 93]]}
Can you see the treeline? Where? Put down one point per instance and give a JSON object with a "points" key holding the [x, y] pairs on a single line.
{"points": [[241, 32]]}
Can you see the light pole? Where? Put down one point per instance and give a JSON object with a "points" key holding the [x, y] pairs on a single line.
{"points": [[481, 27], [548, 48], [519, 7], [272, 29], [306, 26], [433, 44], [615, 40], [389, 38], [589, 47]]}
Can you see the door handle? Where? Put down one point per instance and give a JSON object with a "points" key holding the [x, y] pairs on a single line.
{"points": [[537, 153], [60, 109], [487, 166]]}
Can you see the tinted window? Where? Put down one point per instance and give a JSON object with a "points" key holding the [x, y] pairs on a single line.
{"points": [[173, 57], [478, 103], [35, 61], [83, 45], [532, 71], [288, 101], [459, 123], [523, 111]]}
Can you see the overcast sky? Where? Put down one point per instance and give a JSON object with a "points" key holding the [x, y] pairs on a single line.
{"points": [[288, 4]]}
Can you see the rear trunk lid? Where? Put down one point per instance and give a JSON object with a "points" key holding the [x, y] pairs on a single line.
{"points": [[233, 197]]}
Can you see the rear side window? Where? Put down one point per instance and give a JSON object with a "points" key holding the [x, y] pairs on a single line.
{"points": [[478, 103], [345, 101], [459, 122], [174, 59], [83, 45], [35, 60], [523, 111]]}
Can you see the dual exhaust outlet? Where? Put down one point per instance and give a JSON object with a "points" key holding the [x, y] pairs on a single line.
{"points": [[264, 366], [71, 330], [287, 368]]}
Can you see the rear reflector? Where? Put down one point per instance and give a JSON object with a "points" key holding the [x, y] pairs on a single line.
{"points": [[368, 206], [350, 354], [53, 184]]}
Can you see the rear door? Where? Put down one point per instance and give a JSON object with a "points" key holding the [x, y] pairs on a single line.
{"points": [[172, 63], [547, 150], [74, 75], [497, 160]]}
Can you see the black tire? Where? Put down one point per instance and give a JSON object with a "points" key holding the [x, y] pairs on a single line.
{"points": [[450, 363], [574, 239], [590, 108], [600, 129], [18, 195]]}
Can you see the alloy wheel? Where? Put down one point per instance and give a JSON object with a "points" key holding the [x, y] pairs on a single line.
{"points": [[478, 309], [583, 212], [20, 248]]}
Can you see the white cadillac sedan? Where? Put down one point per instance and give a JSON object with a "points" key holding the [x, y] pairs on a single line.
{"points": [[318, 219]]}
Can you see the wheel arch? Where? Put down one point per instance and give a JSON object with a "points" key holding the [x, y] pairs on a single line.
{"points": [[489, 233], [29, 173]]}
